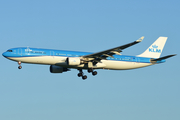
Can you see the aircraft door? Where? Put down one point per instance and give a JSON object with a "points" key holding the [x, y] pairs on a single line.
{"points": [[52, 53], [137, 60], [20, 52]]}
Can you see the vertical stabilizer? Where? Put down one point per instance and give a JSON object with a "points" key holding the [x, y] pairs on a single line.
{"points": [[155, 50]]}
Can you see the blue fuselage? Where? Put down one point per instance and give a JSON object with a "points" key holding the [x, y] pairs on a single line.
{"points": [[44, 56]]}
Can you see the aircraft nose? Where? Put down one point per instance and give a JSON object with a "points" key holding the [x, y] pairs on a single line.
{"points": [[4, 54]]}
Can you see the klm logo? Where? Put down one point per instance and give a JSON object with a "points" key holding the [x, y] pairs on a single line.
{"points": [[28, 50], [154, 49]]}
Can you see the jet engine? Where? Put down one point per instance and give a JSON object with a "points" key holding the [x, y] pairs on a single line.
{"points": [[73, 61], [57, 69]]}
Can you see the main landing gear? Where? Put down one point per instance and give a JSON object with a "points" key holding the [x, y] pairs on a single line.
{"points": [[19, 63], [93, 72], [81, 74]]}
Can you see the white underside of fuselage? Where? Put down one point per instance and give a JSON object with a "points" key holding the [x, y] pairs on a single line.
{"points": [[61, 61]]}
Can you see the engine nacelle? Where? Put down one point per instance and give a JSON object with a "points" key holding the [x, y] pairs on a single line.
{"points": [[57, 69], [73, 61]]}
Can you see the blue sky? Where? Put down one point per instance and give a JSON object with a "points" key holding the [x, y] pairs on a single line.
{"points": [[33, 93]]}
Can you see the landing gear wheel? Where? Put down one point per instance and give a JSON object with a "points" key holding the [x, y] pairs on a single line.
{"points": [[84, 77], [19, 67], [80, 74], [90, 70], [94, 73]]}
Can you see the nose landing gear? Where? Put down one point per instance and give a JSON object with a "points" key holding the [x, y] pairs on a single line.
{"points": [[19, 63], [19, 67]]}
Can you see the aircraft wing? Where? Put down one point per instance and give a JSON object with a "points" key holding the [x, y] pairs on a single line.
{"points": [[110, 52]]}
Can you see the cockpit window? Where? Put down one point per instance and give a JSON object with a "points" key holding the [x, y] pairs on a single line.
{"points": [[9, 50]]}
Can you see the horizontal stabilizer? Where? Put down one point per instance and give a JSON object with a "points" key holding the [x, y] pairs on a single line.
{"points": [[162, 58]]}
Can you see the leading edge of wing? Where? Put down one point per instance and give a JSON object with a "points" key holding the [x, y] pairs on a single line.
{"points": [[116, 50]]}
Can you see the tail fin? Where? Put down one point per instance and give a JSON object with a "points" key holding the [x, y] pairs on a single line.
{"points": [[155, 50]]}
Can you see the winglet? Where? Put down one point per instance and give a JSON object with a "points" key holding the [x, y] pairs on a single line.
{"points": [[140, 39]]}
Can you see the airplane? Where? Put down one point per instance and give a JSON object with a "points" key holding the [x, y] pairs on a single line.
{"points": [[62, 60]]}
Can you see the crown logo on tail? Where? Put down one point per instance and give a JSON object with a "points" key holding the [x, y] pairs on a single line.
{"points": [[154, 46]]}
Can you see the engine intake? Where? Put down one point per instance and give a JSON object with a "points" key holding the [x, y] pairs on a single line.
{"points": [[57, 69]]}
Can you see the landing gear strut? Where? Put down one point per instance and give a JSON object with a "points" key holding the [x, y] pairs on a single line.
{"points": [[90, 70], [19, 63]]}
